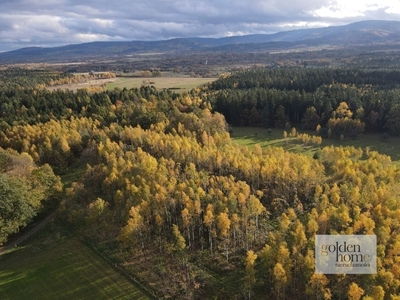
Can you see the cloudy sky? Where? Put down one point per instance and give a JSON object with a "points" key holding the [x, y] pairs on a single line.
{"points": [[48, 23]]}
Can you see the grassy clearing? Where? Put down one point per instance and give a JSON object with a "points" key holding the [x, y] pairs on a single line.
{"points": [[54, 265], [177, 83], [72, 174], [251, 136], [225, 284]]}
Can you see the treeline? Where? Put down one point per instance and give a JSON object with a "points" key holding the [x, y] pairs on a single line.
{"points": [[309, 80], [24, 187], [31, 106], [272, 97], [376, 60], [11, 78]]}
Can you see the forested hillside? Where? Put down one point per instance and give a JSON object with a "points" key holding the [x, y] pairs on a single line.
{"points": [[166, 194], [370, 35]]}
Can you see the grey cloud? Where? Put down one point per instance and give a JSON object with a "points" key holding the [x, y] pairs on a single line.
{"points": [[56, 22]]}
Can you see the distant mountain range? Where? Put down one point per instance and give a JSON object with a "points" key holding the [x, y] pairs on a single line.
{"points": [[365, 33]]}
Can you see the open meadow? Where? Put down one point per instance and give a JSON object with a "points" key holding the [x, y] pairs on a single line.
{"points": [[175, 83], [250, 136], [178, 84], [55, 265]]}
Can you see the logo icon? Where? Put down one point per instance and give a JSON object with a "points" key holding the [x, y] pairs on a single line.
{"points": [[345, 254]]}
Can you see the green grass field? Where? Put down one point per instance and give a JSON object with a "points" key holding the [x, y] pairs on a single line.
{"points": [[54, 265], [176, 83], [250, 136]]}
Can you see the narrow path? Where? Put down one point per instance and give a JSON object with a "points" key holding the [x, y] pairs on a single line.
{"points": [[15, 242]]}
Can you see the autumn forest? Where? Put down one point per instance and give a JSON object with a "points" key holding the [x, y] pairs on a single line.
{"points": [[166, 194]]}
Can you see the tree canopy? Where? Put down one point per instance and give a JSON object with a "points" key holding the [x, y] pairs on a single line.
{"points": [[167, 194]]}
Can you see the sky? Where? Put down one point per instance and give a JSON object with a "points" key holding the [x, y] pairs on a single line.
{"points": [[50, 23]]}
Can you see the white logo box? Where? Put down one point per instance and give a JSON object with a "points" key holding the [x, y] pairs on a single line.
{"points": [[345, 254]]}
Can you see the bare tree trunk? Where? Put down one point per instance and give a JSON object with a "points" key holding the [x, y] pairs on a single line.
{"points": [[210, 241]]}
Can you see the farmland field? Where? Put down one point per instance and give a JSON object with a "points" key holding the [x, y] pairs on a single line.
{"points": [[54, 265], [176, 83]]}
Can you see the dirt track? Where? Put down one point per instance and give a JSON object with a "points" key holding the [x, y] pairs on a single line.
{"points": [[19, 239]]}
